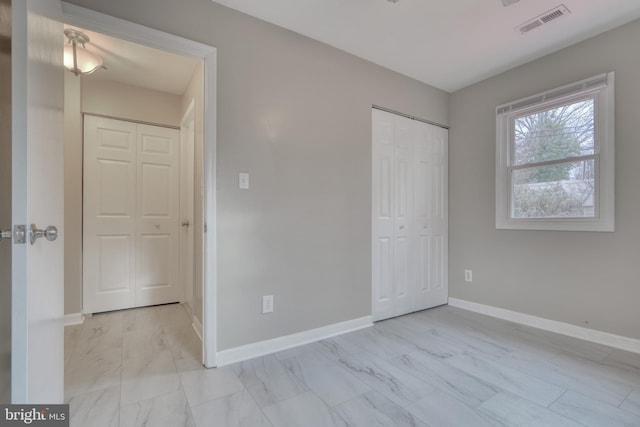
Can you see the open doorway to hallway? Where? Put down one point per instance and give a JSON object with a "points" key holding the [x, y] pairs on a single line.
{"points": [[134, 222]]}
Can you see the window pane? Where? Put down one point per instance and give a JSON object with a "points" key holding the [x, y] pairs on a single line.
{"points": [[557, 191], [555, 134]]}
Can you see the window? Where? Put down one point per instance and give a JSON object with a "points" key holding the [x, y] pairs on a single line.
{"points": [[555, 159]]}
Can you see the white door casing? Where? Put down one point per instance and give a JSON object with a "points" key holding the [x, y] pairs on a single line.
{"points": [[187, 141], [131, 215], [409, 215], [37, 369]]}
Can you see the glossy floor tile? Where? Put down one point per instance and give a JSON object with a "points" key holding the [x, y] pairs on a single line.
{"points": [[593, 413], [632, 402], [439, 367], [375, 410]]}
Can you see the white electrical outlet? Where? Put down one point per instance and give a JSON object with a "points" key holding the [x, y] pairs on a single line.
{"points": [[468, 276], [267, 304]]}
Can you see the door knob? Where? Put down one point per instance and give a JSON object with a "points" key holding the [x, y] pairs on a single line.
{"points": [[186, 224], [50, 233], [5, 234]]}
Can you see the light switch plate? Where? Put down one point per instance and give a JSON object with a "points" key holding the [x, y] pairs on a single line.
{"points": [[267, 304], [243, 180]]}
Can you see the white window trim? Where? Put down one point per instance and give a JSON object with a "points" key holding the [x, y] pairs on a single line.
{"points": [[603, 86]]}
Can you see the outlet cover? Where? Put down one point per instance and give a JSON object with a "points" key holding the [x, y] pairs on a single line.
{"points": [[267, 304], [468, 276], [243, 180]]}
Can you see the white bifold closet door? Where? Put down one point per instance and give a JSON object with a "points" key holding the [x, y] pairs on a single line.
{"points": [[409, 222], [131, 214]]}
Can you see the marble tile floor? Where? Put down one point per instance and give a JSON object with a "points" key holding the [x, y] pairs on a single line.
{"points": [[439, 367]]}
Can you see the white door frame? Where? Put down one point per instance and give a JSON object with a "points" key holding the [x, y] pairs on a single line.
{"points": [[115, 27]]}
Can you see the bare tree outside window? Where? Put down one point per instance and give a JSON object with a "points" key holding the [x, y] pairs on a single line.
{"points": [[553, 162]]}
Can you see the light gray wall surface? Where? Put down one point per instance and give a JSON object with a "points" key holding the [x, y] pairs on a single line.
{"points": [[296, 115], [72, 194], [121, 100], [583, 278]]}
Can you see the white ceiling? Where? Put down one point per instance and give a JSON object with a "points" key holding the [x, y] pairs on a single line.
{"points": [[138, 65], [449, 44]]}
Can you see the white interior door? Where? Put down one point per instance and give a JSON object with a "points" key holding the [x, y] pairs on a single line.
{"points": [[187, 178], [431, 217], [158, 218], [409, 223], [131, 215], [37, 369], [403, 215], [109, 214], [383, 170], [439, 143]]}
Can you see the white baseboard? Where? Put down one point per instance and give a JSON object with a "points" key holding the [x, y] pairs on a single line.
{"points": [[261, 348], [197, 326], [592, 335], [73, 319]]}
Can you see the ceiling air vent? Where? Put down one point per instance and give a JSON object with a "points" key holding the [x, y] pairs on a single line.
{"points": [[545, 18]]}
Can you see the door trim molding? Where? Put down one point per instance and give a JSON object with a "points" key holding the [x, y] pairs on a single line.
{"points": [[592, 335], [119, 28], [73, 319]]}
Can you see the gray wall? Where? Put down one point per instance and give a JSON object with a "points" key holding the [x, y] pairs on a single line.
{"points": [[115, 99], [584, 278], [72, 194], [296, 115]]}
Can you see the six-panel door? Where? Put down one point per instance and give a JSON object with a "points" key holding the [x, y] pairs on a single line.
{"points": [[131, 215], [409, 215]]}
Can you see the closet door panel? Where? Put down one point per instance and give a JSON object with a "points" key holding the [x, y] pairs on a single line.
{"points": [[382, 244], [108, 215], [423, 242], [158, 221], [409, 239], [404, 277], [130, 218], [438, 140]]}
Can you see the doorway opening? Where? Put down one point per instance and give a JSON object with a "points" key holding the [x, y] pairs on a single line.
{"points": [[184, 101]]}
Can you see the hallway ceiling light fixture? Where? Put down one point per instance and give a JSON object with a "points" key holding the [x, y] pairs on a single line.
{"points": [[77, 58]]}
